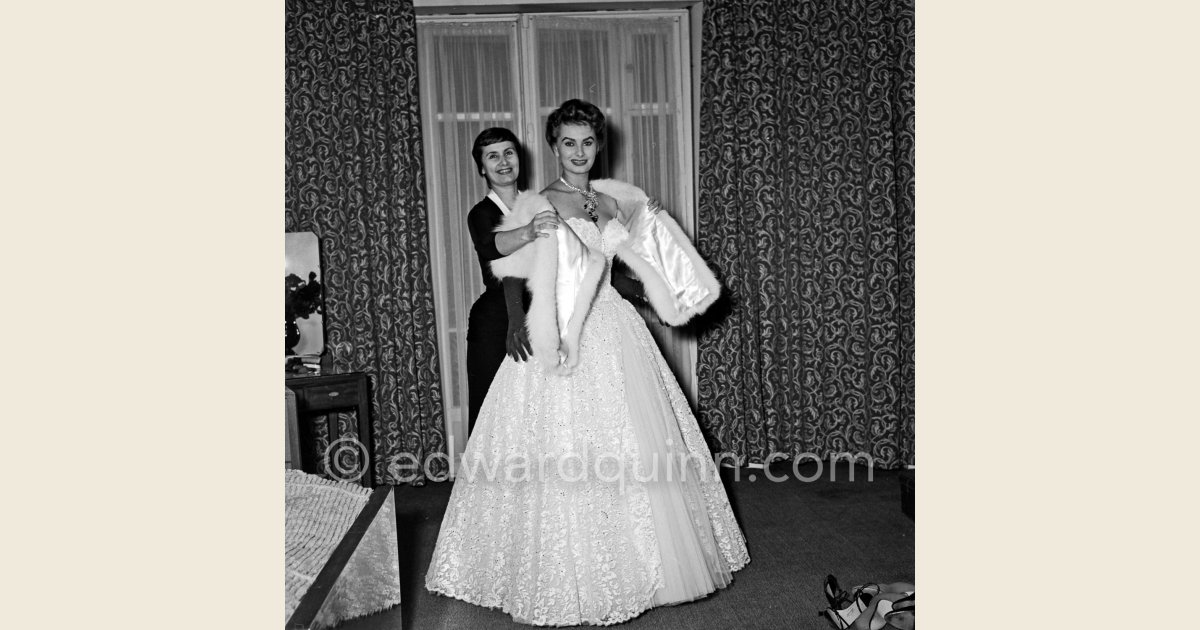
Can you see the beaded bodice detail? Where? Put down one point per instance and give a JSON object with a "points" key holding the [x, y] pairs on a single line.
{"points": [[606, 241]]}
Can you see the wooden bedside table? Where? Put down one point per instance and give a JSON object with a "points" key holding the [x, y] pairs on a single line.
{"points": [[322, 396]]}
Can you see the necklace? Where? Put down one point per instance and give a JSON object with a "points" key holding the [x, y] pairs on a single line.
{"points": [[589, 199]]}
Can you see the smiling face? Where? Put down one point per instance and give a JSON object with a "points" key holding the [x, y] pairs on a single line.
{"points": [[499, 164], [576, 148]]}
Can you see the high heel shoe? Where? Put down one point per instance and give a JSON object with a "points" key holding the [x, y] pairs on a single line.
{"points": [[896, 613], [844, 611], [841, 619], [865, 592], [832, 591], [903, 613], [839, 598], [908, 603]]}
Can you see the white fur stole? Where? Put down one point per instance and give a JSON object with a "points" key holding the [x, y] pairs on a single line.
{"points": [[679, 285], [564, 274]]}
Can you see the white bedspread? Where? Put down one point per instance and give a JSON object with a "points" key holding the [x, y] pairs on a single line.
{"points": [[319, 513]]}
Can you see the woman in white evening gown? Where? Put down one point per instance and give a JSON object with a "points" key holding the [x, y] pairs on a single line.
{"points": [[587, 494]]}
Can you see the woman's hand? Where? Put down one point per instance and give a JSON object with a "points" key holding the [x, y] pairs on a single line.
{"points": [[516, 342], [542, 225]]}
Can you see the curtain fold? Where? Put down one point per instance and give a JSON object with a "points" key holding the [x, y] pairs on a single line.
{"points": [[354, 176], [806, 210]]}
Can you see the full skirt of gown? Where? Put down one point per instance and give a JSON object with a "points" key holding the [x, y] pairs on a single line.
{"points": [[592, 497]]}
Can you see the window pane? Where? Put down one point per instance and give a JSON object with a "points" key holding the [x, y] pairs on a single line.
{"points": [[572, 61]]}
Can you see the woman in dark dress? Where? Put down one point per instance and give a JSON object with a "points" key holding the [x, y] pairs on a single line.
{"points": [[497, 322]]}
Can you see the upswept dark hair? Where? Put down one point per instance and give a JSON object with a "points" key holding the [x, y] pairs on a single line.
{"points": [[491, 135], [576, 112]]}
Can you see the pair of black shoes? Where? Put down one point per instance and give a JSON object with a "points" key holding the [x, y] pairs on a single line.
{"points": [[846, 606]]}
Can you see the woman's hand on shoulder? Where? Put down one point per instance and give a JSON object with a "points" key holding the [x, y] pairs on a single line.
{"points": [[542, 225]]}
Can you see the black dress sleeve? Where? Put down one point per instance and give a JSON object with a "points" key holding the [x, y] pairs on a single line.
{"points": [[482, 221]]}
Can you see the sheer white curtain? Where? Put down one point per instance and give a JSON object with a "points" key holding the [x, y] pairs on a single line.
{"points": [[468, 82], [512, 71]]}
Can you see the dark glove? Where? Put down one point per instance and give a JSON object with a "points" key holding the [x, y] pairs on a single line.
{"points": [[516, 342]]}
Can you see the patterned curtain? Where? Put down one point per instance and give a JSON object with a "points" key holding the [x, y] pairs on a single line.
{"points": [[806, 210], [354, 177]]}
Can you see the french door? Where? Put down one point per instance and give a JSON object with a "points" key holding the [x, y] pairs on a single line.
{"points": [[512, 71]]}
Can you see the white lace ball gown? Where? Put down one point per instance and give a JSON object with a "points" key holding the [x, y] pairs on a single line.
{"points": [[592, 497]]}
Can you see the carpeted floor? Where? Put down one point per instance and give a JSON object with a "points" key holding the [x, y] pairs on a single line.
{"points": [[797, 532]]}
